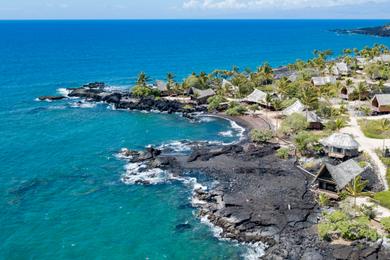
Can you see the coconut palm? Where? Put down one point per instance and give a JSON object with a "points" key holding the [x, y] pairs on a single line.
{"points": [[339, 123], [361, 90], [142, 79], [308, 96], [356, 188], [170, 80]]}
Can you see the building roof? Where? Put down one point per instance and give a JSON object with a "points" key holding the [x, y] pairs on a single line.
{"points": [[383, 99], [383, 58], [257, 96], [161, 85], [203, 93], [321, 81], [361, 60], [340, 68], [340, 140], [312, 117], [297, 107], [345, 172]]}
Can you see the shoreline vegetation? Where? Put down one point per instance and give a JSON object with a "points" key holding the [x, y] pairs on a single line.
{"points": [[381, 31], [303, 181]]}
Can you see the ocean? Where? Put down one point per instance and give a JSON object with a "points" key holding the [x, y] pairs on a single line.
{"points": [[62, 196]]}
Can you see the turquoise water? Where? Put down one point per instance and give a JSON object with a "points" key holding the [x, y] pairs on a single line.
{"points": [[61, 193]]}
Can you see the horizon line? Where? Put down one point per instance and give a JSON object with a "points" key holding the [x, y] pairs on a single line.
{"points": [[191, 19]]}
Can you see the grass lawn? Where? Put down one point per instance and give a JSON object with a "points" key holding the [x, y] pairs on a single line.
{"points": [[383, 198], [386, 162], [374, 129]]}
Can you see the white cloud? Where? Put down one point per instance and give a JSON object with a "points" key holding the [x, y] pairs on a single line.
{"points": [[268, 4]]}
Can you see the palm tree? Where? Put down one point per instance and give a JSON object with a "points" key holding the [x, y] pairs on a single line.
{"points": [[356, 187], [170, 81], [361, 90], [309, 96], [339, 123], [142, 79]]}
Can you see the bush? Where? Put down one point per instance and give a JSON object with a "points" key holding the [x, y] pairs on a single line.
{"points": [[236, 110], [323, 200], [283, 153], [305, 142], [383, 198], [261, 136], [142, 91], [368, 211], [348, 228], [214, 102], [386, 224], [294, 123]]}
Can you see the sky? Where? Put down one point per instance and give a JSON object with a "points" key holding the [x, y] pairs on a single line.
{"points": [[194, 9]]}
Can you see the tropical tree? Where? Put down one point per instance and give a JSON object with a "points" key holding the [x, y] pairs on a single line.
{"points": [[339, 123], [309, 96], [142, 79], [361, 90], [170, 81], [356, 188]]}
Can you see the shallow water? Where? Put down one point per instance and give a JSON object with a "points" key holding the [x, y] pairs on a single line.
{"points": [[60, 182]]}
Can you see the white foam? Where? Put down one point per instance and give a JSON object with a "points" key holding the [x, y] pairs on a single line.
{"points": [[136, 173], [83, 105], [176, 146], [206, 119], [254, 251], [63, 92], [56, 107], [228, 133]]}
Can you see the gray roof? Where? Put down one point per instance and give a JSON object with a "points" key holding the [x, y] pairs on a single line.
{"points": [[340, 68], [321, 81], [297, 107], [257, 96], [345, 172], [203, 93], [383, 99], [161, 85], [340, 140], [383, 58], [312, 117]]}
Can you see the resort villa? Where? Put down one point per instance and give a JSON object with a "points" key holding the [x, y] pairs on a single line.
{"points": [[341, 69], [340, 145], [381, 103], [322, 81], [257, 97], [335, 178], [315, 122], [201, 95]]}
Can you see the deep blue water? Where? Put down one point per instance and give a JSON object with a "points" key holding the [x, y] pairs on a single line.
{"points": [[61, 193]]}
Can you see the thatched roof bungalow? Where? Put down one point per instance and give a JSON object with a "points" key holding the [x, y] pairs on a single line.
{"points": [[336, 178], [340, 145], [385, 58], [361, 62], [341, 69], [297, 107], [315, 122], [322, 81], [201, 95], [380, 103], [256, 97]]}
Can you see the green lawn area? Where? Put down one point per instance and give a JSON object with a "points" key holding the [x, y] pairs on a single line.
{"points": [[374, 129], [383, 198]]}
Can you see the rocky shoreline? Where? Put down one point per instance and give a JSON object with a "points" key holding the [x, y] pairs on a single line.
{"points": [[381, 31], [257, 198]]}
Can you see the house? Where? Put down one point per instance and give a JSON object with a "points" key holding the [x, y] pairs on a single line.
{"points": [[162, 86], [315, 122], [385, 58], [380, 103], [340, 145], [257, 97], [297, 107], [361, 62], [341, 69], [322, 81], [227, 84], [201, 95], [335, 178], [349, 93]]}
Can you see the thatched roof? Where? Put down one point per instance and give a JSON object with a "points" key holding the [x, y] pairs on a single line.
{"points": [[312, 117], [297, 107], [321, 81], [383, 58], [161, 85], [340, 68], [340, 140], [257, 96], [361, 61], [345, 172], [382, 99], [202, 93]]}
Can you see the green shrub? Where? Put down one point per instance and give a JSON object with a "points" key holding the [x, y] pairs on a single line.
{"points": [[294, 123], [261, 136], [383, 198], [368, 211], [237, 110], [348, 228], [143, 91], [323, 200], [214, 102], [362, 164], [283, 153], [386, 224]]}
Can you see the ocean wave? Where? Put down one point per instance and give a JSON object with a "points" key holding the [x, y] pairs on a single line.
{"points": [[228, 133], [83, 104], [138, 173], [63, 92], [176, 146], [56, 107]]}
